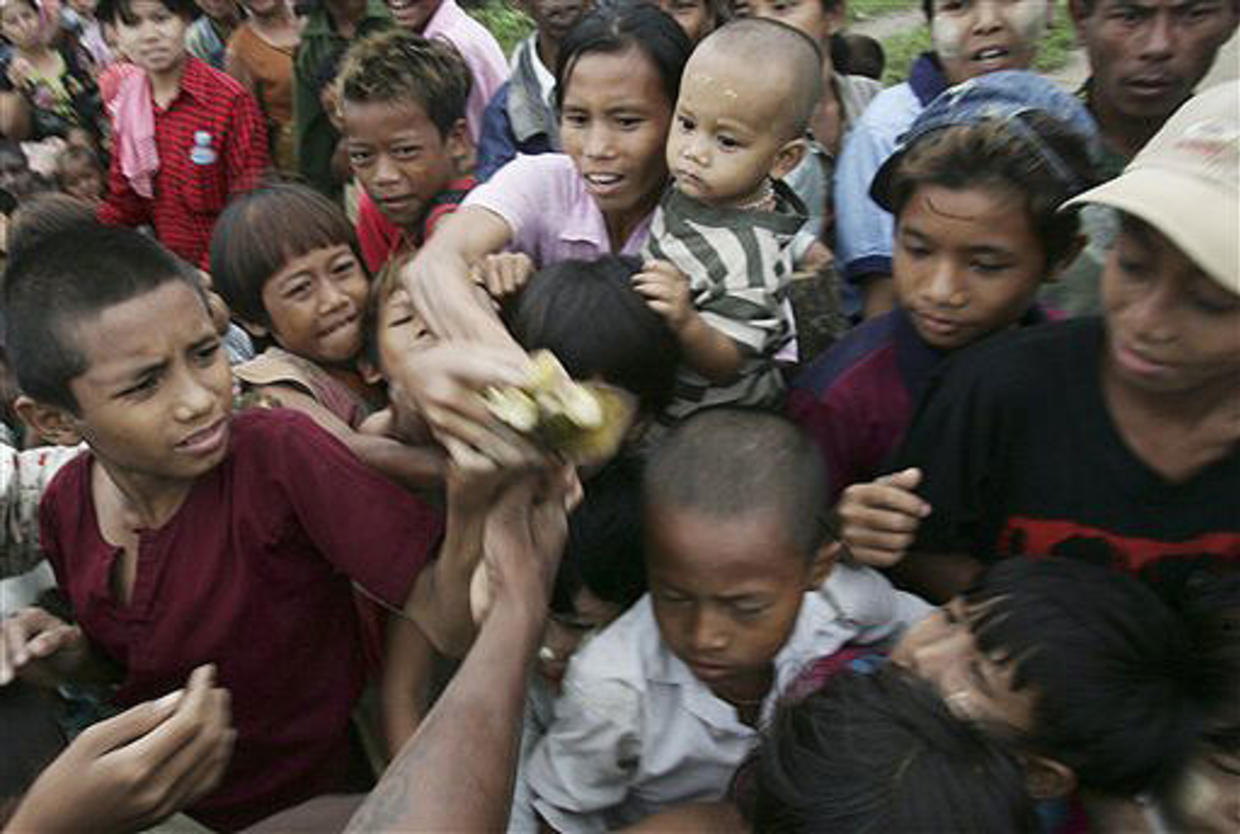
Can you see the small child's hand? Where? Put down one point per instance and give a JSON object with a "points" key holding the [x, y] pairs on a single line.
{"points": [[666, 290], [879, 519], [38, 647], [503, 273]]}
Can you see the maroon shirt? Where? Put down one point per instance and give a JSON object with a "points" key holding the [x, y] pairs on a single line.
{"points": [[253, 573], [194, 181]]}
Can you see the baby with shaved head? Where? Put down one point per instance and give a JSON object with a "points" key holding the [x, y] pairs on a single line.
{"points": [[720, 240]]}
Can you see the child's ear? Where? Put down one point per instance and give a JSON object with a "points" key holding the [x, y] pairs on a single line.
{"points": [[788, 157], [1069, 256], [822, 563], [1048, 779], [51, 422], [458, 147]]}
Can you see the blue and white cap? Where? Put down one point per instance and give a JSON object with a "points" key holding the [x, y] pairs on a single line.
{"points": [[1001, 96]]}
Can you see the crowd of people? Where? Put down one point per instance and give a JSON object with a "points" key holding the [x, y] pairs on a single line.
{"points": [[910, 501]]}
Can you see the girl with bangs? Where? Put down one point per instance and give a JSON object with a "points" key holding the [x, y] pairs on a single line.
{"points": [[286, 260]]}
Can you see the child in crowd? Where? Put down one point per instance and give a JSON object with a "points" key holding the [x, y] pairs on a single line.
{"points": [[660, 708], [184, 533], [46, 92], [975, 187], [1059, 439], [882, 752], [970, 39], [521, 117], [187, 136], [207, 37], [1098, 684], [725, 226], [285, 260], [402, 103], [80, 174], [444, 20], [1098, 688], [260, 56]]}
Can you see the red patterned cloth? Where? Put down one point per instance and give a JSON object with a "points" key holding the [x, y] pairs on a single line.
{"points": [[212, 145]]}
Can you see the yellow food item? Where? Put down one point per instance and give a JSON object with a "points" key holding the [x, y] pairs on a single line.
{"points": [[585, 421]]}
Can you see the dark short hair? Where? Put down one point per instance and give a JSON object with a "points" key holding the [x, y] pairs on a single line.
{"points": [[69, 275], [261, 231], [1117, 688], [988, 153], [396, 66], [605, 551], [730, 462], [114, 11], [44, 215], [588, 314], [617, 25], [882, 752]]}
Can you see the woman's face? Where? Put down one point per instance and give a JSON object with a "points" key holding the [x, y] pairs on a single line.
{"points": [[19, 22], [614, 123]]}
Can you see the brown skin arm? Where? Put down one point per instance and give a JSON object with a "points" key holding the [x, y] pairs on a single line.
{"points": [[413, 467], [405, 689], [438, 279], [456, 773]]}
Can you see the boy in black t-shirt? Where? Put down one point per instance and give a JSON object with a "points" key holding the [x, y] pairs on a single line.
{"points": [[1112, 440]]}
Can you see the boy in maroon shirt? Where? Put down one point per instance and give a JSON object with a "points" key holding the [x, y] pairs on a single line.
{"points": [[188, 137], [184, 536]]}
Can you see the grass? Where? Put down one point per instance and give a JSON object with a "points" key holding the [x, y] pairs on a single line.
{"points": [[870, 9], [507, 23], [1053, 52]]}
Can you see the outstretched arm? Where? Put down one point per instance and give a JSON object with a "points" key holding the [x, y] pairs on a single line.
{"points": [[456, 772]]}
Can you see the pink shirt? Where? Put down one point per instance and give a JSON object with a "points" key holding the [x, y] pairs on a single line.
{"points": [[481, 52], [543, 199]]}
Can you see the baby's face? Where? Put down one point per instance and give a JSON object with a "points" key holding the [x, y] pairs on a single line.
{"points": [[727, 131]]}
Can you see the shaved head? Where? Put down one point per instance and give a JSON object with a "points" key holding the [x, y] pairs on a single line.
{"points": [[784, 60]]}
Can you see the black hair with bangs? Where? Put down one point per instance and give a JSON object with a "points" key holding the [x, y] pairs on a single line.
{"points": [[261, 231], [1118, 692]]}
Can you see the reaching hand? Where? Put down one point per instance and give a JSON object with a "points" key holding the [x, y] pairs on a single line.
{"points": [[523, 542], [879, 520], [503, 273], [131, 771], [666, 290], [442, 383], [39, 648]]}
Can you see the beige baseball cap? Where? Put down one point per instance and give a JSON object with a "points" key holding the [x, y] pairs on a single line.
{"points": [[1186, 183]]}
